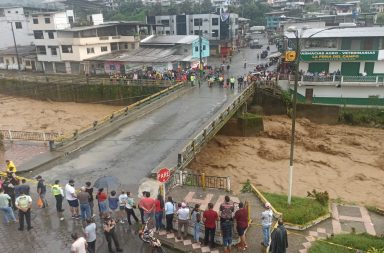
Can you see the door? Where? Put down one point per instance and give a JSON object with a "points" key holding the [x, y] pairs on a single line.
{"points": [[350, 68], [33, 64], [368, 68], [308, 96]]}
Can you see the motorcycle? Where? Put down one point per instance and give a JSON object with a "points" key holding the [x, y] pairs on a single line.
{"points": [[146, 234]]}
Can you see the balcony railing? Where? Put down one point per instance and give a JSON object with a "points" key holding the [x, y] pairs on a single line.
{"points": [[337, 79]]}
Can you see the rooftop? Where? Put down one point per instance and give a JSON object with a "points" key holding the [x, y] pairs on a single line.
{"points": [[146, 55], [340, 33], [169, 39], [21, 50], [105, 24]]}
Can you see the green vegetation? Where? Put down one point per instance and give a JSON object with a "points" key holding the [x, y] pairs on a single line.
{"points": [[250, 123], [246, 187], [322, 197], [301, 210], [363, 116], [364, 242]]}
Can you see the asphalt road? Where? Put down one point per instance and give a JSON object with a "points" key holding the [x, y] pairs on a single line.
{"points": [[129, 154]]}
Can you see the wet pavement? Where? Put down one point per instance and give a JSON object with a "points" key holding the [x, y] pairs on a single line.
{"points": [[130, 154]]}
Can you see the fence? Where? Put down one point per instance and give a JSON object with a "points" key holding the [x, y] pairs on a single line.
{"points": [[179, 178], [194, 146], [61, 140], [82, 80], [30, 136]]}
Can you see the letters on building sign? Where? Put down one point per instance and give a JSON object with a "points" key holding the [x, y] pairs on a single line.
{"points": [[340, 55]]}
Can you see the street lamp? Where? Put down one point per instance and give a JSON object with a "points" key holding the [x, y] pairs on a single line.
{"points": [[295, 31]]}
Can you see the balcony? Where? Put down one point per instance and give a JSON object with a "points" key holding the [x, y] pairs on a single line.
{"points": [[337, 80], [97, 40]]}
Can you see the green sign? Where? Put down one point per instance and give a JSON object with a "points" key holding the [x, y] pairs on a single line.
{"points": [[340, 55]]}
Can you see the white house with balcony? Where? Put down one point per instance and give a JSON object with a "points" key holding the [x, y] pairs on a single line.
{"points": [[62, 48], [18, 19], [341, 66]]}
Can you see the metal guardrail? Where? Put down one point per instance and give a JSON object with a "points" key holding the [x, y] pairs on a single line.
{"points": [[194, 146], [61, 140], [30, 136]]}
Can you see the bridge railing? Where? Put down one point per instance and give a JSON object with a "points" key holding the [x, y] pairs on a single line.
{"points": [[194, 146], [26, 135], [61, 140], [179, 178]]}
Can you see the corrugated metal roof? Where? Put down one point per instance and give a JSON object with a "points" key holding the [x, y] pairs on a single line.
{"points": [[340, 32], [169, 39], [143, 55]]}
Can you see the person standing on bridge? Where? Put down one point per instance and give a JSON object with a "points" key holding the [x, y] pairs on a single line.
{"points": [[210, 217], [24, 203], [5, 207], [169, 212], [42, 190], [279, 239], [70, 195], [58, 193], [266, 222]]}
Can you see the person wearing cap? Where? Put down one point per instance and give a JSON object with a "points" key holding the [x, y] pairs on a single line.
{"points": [[10, 166], [183, 216], [266, 222], [42, 190], [70, 195]]}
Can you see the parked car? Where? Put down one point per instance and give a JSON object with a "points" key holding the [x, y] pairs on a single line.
{"points": [[255, 44]]}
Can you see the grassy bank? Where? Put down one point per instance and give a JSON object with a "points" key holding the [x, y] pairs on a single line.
{"points": [[363, 116], [356, 241], [301, 210]]}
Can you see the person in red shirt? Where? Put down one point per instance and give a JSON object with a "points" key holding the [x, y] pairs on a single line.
{"points": [[241, 217], [210, 217], [148, 205], [159, 209], [103, 204]]}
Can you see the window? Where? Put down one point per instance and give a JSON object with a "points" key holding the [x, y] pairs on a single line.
{"points": [[204, 47], [198, 21], [53, 50], [104, 49], [51, 35], [90, 50], [67, 49], [197, 32], [126, 46], [16, 12], [27, 63], [114, 47], [215, 33], [35, 21], [215, 21], [47, 20], [18, 25], [196, 49], [70, 19], [38, 35], [165, 22], [41, 50]]}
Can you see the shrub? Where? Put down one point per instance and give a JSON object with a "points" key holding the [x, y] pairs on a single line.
{"points": [[322, 197], [246, 187]]}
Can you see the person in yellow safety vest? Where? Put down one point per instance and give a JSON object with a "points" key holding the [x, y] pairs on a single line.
{"points": [[10, 165], [193, 79], [57, 192], [232, 80]]}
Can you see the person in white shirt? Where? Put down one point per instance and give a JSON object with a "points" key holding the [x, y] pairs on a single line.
{"points": [[79, 245], [169, 209], [123, 198], [183, 214], [266, 222], [90, 235], [70, 195], [129, 209]]}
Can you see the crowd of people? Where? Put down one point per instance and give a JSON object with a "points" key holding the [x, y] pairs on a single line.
{"points": [[116, 209]]}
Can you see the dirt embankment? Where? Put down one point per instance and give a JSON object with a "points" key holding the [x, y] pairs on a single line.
{"points": [[346, 161]]}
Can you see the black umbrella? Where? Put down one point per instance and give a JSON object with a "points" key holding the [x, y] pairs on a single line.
{"points": [[109, 182]]}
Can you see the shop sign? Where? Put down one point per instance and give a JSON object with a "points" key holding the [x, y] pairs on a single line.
{"points": [[340, 55]]}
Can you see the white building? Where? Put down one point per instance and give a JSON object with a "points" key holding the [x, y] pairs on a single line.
{"points": [[18, 18], [221, 30], [377, 7], [62, 49], [341, 65]]}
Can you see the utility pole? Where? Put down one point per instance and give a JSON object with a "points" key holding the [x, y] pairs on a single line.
{"points": [[200, 48], [14, 42]]}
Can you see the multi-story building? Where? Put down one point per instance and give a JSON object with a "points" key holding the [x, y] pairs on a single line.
{"points": [[273, 19], [62, 48], [341, 65], [18, 19], [347, 8], [377, 7], [220, 30]]}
